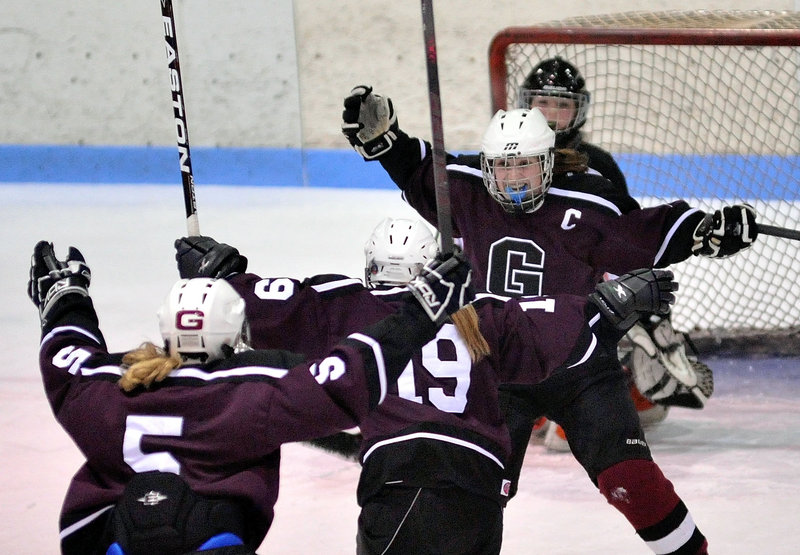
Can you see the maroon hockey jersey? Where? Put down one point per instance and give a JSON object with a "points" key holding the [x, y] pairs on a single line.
{"points": [[441, 423], [563, 247], [219, 426]]}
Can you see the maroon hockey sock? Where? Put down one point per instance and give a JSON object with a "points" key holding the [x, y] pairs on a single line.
{"points": [[640, 491]]}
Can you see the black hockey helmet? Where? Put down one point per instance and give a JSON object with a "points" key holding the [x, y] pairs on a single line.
{"points": [[557, 77]]}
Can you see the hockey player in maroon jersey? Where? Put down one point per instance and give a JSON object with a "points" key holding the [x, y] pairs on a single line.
{"points": [[658, 353], [557, 89], [433, 453], [530, 225], [182, 442]]}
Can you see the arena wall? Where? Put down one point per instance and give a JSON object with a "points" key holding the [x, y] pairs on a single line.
{"points": [[85, 92]]}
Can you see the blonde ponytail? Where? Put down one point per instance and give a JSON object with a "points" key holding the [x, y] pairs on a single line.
{"points": [[146, 365]]}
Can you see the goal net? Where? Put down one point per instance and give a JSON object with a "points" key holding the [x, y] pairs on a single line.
{"points": [[702, 106]]}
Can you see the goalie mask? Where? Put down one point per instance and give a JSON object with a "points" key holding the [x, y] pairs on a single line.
{"points": [[396, 252], [557, 88], [201, 316], [517, 159]]}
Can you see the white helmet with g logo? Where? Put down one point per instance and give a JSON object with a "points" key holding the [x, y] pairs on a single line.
{"points": [[199, 317]]}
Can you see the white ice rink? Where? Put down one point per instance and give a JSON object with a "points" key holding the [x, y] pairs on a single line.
{"points": [[736, 464]]}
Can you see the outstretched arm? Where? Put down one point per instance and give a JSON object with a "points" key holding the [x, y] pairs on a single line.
{"points": [[369, 122], [725, 232], [622, 301]]}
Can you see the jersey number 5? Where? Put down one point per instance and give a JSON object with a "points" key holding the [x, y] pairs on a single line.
{"points": [[136, 427]]}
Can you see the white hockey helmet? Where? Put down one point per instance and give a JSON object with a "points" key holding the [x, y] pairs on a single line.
{"points": [[199, 316], [396, 252], [517, 159]]}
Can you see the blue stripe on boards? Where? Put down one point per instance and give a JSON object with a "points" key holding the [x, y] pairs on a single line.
{"points": [[219, 166], [667, 176], [676, 176]]}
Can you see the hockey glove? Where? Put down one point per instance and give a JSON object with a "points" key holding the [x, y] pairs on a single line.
{"points": [[725, 232], [369, 122], [203, 257], [443, 287], [625, 299], [51, 279]]}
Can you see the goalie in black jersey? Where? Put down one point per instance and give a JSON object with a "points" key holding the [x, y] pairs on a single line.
{"points": [[182, 440], [434, 454]]}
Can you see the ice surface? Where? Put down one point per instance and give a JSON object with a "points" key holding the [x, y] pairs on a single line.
{"points": [[736, 464]]}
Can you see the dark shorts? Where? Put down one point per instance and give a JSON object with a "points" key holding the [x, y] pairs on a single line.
{"points": [[402, 520], [593, 406]]}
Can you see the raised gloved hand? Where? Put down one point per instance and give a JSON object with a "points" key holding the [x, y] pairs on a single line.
{"points": [[443, 286], [725, 232], [51, 279], [202, 256], [625, 299], [369, 122]]}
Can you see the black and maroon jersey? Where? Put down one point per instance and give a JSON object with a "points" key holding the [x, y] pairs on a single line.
{"points": [[441, 423], [566, 246], [220, 425]]}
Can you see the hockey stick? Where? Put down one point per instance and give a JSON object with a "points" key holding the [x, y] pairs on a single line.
{"points": [[466, 319], [444, 222], [775, 231], [179, 111]]}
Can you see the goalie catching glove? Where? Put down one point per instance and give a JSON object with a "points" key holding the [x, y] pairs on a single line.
{"points": [[725, 232], [52, 279], [201, 256], [625, 299], [443, 286], [369, 122]]}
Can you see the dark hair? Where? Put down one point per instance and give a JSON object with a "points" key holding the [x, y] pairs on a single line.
{"points": [[568, 160]]}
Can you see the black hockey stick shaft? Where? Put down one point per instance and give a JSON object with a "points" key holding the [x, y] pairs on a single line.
{"points": [[179, 112], [466, 319], [445, 224], [775, 231]]}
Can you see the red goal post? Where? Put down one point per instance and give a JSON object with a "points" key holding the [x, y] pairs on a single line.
{"points": [[702, 106]]}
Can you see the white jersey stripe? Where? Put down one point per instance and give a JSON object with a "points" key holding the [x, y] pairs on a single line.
{"points": [[587, 354], [436, 437], [65, 329], [83, 522], [670, 233], [376, 349], [321, 288], [585, 196]]}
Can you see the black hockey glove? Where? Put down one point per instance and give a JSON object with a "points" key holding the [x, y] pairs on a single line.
{"points": [[203, 257], [625, 299], [369, 122], [443, 286], [51, 279], [725, 232]]}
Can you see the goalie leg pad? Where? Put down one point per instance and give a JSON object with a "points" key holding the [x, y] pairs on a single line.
{"points": [[662, 371]]}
